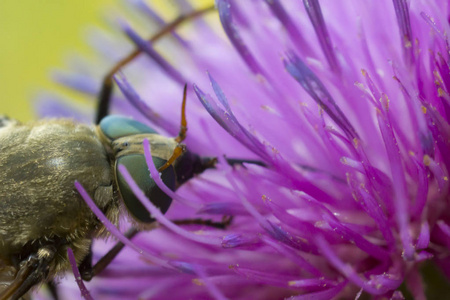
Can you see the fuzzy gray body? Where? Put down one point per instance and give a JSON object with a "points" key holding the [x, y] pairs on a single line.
{"points": [[39, 163]]}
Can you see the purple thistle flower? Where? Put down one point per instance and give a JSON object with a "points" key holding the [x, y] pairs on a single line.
{"points": [[348, 107]]}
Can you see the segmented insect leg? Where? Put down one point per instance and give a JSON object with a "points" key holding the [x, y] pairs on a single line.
{"points": [[88, 271], [32, 271], [107, 85], [226, 221]]}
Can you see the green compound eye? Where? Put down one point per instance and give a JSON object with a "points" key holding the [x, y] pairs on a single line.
{"points": [[137, 167], [115, 127]]}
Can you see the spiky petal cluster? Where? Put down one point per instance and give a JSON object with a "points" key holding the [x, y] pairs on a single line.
{"points": [[348, 106]]}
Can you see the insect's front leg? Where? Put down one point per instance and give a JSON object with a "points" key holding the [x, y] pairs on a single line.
{"points": [[88, 271], [32, 270]]}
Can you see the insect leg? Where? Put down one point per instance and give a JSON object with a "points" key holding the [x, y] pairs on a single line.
{"points": [[233, 161], [88, 272], [226, 221], [107, 85], [32, 271], [86, 269]]}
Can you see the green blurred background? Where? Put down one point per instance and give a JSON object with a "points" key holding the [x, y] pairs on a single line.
{"points": [[36, 37]]}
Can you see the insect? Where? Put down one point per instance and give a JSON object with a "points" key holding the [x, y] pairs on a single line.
{"points": [[41, 214]]}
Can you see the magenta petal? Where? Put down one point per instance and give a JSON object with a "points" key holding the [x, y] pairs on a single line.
{"points": [[404, 24], [329, 293], [224, 8], [372, 287], [316, 17], [141, 106], [154, 211], [230, 124], [156, 176], [346, 193], [113, 229], [294, 33], [424, 236], [147, 48], [318, 92], [84, 291]]}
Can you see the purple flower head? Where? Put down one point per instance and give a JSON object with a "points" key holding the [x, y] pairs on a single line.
{"points": [[346, 107]]}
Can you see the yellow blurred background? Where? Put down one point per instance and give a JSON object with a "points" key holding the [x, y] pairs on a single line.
{"points": [[35, 38]]}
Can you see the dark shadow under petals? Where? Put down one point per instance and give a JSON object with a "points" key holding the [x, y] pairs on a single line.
{"points": [[347, 270]]}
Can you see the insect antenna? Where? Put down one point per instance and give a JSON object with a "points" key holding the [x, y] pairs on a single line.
{"points": [[180, 149], [86, 269]]}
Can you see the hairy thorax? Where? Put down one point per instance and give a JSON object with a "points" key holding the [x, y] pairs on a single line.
{"points": [[39, 204]]}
